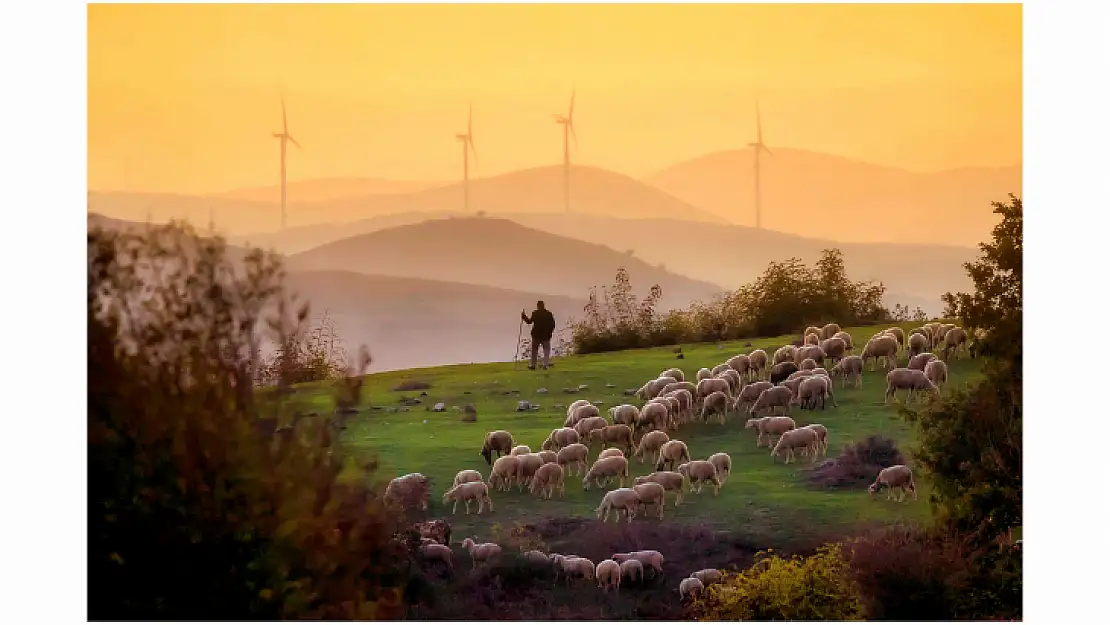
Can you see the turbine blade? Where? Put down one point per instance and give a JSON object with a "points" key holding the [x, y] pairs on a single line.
{"points": [[294, 141], [758, 125], [766, 149], [473, 150], [284, 125], [469, 119], [570, 117], [573, 135]]}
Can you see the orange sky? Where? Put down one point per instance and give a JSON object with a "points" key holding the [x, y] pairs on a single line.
{"points": [[184, 97]]}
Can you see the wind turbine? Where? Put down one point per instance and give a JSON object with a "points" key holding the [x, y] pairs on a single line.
{"points": [[758, 145], [568, 132], [284, 136], [467, 140]]}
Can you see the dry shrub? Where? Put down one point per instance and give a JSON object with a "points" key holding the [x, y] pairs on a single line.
{"points": [[858, 464], [412, 385]]}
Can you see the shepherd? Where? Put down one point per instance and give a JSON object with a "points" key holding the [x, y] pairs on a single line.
{"points": [[543, 326]]}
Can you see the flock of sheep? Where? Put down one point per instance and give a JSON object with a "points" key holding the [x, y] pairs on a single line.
{"points": [[754, 383]]}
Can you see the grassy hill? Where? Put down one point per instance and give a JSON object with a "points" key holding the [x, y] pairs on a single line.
{"points": [[769, 503]]}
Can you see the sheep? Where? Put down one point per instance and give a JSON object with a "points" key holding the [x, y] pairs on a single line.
{"points": [[781, 371], [650, 443], [685, 400], [758, 360], [822, 446], [792, 383], [537, 558], [705, 387], [811, 330], [520, 450], [504, 472], [677, 386], [669, 480], [813, 352], [909, 379], [610, 452], [653, 414], [918, 345], [774, 397], [470, 491], [716, 403], [813, 389], [898, 476], [954, 339], [650, 558], [608, 574], [466, 475], [624, 413], [606, 469], [735, 381], [548, 456], [834, 348], [799, 437], [885, 347], [612, 434], [723, 464], [404, 489], [672, 453], [769, 426], [899, 334], [576, 454], [580, 414], [719, 368], [783, 354], [588, 425], [633, 570], [572, 566], [673, 372], [830, 330], [707, 576], [529, 464], [847, 338], [919, 361], [674, 407], [651, 389], [749, 394], [812, 339], [561, 437], [690, 587], [498, 441], [616, 500], [700, 472], [807, 364], [651, 493], [937, 372], [942, 331], [741, 364], [850, 367], [484, 552], [547, 479], [703, 374], [434, 552]]}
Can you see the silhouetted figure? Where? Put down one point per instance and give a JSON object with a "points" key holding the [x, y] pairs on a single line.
{"points": [[543, 326]]}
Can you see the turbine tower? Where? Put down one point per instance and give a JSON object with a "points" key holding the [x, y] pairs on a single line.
{"points": [[758, 145], [284, 136], [468, 148], [568, 132]]}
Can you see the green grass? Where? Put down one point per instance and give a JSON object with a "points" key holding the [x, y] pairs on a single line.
{"points": [[770, 502]]}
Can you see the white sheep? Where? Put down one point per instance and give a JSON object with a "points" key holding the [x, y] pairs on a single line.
{"points": [[703, 374], [435, 552], [467, 492], [651, 389], [581, 413], [466, 475], [481, 552], [723, 463], [749, 394], [654, 414], [918, 344], [547, 479], [783, 354], [834, 348], [529, 464], [520, 450], [847, 338], [572, 566], [498, 441], [574, 454], [699, 472], [616, 500], [651, 493], [885, 347], [561, 437], [919, 361], [789, 441], [407, 488], [672, 453], [937, 372], [849, 368], [822, 446], [633, 570], [898, 476], [741, 364], [772, 398], [650, 443], [624, 413], [690, 587], [673, 372], [669, 480], [617, 435], [899, 335], [954, 339], [769, 426], [707, 576], [685, 400], [504, 472], [758, 362], [705, 387], [650, 558], [588, 425], [608, 575], [908, 379], [610, 452], [606, 469], [716, 403]]}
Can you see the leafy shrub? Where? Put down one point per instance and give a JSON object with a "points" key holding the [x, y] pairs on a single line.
{"points": [[308, 355], [858, 464], [818, 588]]}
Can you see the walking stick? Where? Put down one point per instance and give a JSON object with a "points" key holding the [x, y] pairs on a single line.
{"points": [[516, 352]]}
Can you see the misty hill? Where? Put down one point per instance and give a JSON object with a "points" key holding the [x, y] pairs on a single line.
{"points": [[326, 189], [229, 214], [821, 195], [496, 252]]}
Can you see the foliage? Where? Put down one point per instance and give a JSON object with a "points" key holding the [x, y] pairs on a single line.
{"points": [[200, 508], [308, 355], [818, 588], [616, 320], [902, 313], [858, 464], [518, 537]]}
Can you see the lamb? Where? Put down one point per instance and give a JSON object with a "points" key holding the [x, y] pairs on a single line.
{"points": [[434, 552], [834, 348], [847, 338], [800, 437], [672, 453], [749, 394], [498, 441], [608, 575], [885, 347], [650, 443], [898, 334], [723, 463], [669, 480], [606, 469], [403, 490], [822, 437], [547, 479], [909, 379], [588, 425], [830, 330], [561, 437], [612, 434], [576, 454], [716, 403], [520, 450], [466, 475], [781, 371], [616, 500], [758, 360], [937, 372], [741, 364], [651, 493], [774, 397], [651, 389], [624, 413], [919, 361], [706, 387], [699, 472], [470, 491], [529, 464], [673, 372], [769, 426], [633, 570], [954, 339], [650, 558], [707, 576], [898, 476], [580, 414], [690, 587], [850, 367], [918, 344], [481, 552], [610, 453], [783, 354], [504, 472], [807, 364]]}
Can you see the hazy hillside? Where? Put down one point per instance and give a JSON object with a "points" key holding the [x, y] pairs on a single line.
{"points": [[326, 189], [495, 252], [821, 195]]}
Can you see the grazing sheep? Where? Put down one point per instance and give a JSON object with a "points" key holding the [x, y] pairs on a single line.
{"points": [[783, 354], [470, 491], [830, 330], [407, 488], [538, 558], [813, 352], [899, 334], [919, 361], [699, 472], [942, 331], [954, 339], [669, 480], [520, 450], [678, 386], [466, 475], [673, 372], [735, 381], [617, 435], [772, 398], [672, 453], [898, 476], [918, 345], [610, 453], [812, 339], [588, 425], [937, 372], [606, 469], [822, 437], [576, 454], [580, 414], [651, 388], [481, 552], [651, 443], [812, 330], [685, 401], [782, 370], [633, 570], [789, 441], [504, 472], [574, 405], [703, 374], [834, 348], [624, 413], [650, 558], [653, 415], [608, 576], [909, 379], [561, 437], [812, 390], [807, 364], [769, 426], [847, 338], [749, 394], [690, 587], [706, 387], [741, 364], [616, 500], [547, 479], [498, 441], [719, 368], [850, 367], [885, 347], [707, 576], [435, 552], [758, 363], [651, 493], [529, 464], [716, 403], [548, 456], [723, 464]]}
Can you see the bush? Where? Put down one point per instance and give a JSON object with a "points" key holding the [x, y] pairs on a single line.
{"points": [[858, 464], [818, 588], [305, 355], [412, 385]]}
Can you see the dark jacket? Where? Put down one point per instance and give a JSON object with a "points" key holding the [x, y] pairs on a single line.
{"points": [[543, 324]]}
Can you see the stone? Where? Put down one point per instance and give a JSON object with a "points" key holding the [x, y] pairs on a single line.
{"points": [[570, 391], [523, 405], [629, 392], [541, 390], [610, 385], [680, 357], [583, 387], [440, 407]]}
